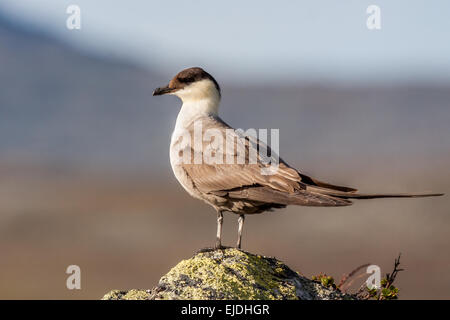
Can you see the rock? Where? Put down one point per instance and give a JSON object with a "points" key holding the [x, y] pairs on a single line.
{"points": [[133, 294], [231, 274]]}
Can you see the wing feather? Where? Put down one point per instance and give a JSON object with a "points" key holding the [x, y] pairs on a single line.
{"points": [[244, 179]]}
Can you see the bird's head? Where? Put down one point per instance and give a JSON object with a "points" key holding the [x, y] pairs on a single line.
{"points": [[192, 85]]}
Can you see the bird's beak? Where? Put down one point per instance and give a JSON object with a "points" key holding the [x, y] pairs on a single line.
{"points": [[163, 90]]}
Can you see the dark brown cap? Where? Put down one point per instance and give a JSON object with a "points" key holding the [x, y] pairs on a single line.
{"points": [[185, 78]]}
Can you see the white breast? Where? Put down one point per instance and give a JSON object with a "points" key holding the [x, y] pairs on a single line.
{"points": [[200, 99], [183, 130]]}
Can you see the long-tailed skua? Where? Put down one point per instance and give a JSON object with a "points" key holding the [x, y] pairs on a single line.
{"points": [[232, 185]]}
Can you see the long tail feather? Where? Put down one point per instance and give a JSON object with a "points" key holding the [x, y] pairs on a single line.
{"points": [[354, 195], [393, 195]]}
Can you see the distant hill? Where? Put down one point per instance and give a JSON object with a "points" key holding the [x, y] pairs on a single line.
{"points": [[58, 104]]}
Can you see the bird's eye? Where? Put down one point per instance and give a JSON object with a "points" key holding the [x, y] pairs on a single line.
{"points": [[187, 79]]}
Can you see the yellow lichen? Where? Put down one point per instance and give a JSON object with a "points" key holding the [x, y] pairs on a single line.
{"points": [[231, 274], [133, 294], [227, 274]]}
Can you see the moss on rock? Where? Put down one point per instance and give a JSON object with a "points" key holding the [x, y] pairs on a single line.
{"points": [[231, 274], [133, 294]]}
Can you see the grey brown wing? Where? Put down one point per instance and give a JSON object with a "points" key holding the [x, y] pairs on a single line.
{"points": [[247, 181]]}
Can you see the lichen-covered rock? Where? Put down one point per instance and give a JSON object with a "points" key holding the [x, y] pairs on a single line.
{"points": [[133, 294], [231, 274]]}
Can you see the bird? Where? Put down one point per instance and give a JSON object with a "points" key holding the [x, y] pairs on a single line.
{"points": [[239, 187]]}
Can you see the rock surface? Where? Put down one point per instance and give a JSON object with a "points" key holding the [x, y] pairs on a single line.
{"points": [[231, 274]]}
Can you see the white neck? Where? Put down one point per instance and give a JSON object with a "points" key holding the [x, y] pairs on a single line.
{"points": [[199, 99]]}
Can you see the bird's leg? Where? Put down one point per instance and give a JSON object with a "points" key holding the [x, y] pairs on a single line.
{"points": [[240, 227], [219, 229]]}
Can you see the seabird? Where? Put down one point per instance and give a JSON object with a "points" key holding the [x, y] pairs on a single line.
{"points": [[240, 188]]}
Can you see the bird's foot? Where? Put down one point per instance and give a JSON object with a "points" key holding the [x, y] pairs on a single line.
{"points": [[207, 249], [210, 249]]}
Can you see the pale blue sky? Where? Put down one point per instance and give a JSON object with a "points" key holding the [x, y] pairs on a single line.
{"points": [[260, 40]]}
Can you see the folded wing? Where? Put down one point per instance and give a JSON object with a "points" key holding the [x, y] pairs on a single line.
{"points": [[248, 180]]}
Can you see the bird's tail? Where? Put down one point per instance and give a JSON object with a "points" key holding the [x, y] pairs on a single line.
{"points": [[388, 195], [356, 195]]}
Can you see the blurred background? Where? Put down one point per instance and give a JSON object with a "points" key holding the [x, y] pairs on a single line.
{"points": [[84, 171]]}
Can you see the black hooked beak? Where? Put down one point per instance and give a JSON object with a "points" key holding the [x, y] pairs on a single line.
{"points": [[162, 90]]}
